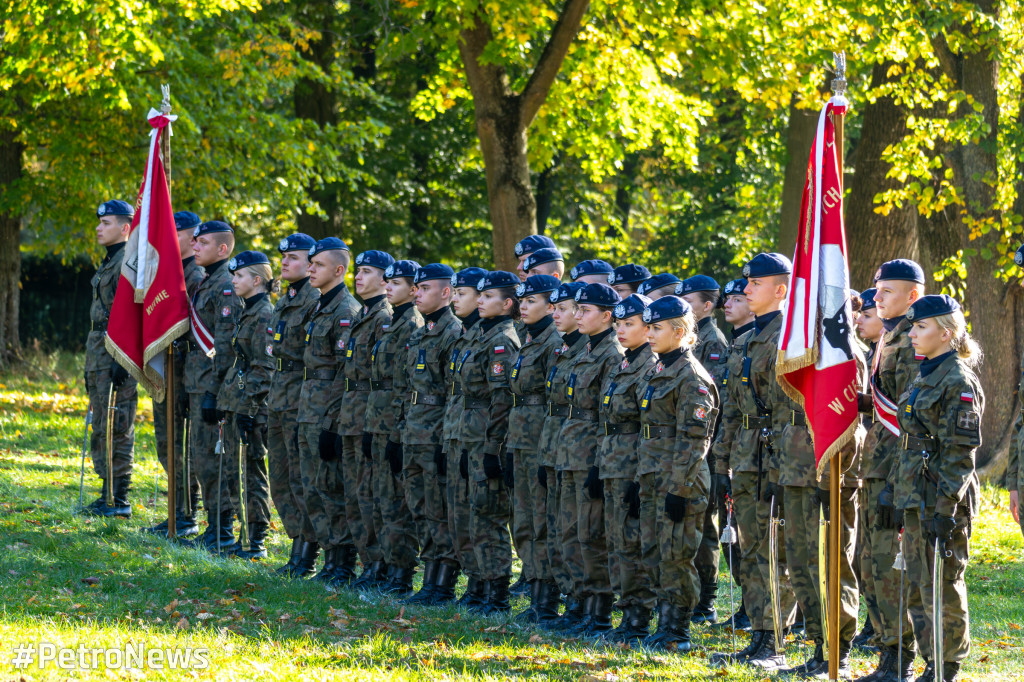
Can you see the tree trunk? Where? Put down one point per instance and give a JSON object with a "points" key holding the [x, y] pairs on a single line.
{"points": [[11, 152], [874, 238], [803, 124]]}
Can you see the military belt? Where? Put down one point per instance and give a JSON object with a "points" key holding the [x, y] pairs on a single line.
{"points": [[417, 398], [621, 428], [476, 403], [557, 410], [797, 418], [581, 414], [381, 385], [916, 443], [353, 385], [323, 374], [521, 400], [647, 431], [754, 422], [98, 326], [289, 365]]}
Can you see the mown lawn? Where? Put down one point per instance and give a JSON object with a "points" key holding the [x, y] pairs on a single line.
{"points": [[70, 581]]}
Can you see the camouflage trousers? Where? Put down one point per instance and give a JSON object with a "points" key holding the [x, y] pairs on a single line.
{"points": [[285, 473], [215, 472], [98, 384], [539, 528], [184, 503], [1020, 504], [555, 550], [570, 490], [753, 519], [257, 484], [354, 468], [801, 514], [593, 539], [860, 565], [458, 504], [919, 551], [626, 549], [709, 552], [881, 582], [669, 548], [524, 495], [323, 486], [425, 490], [397, 532], [490, 511]]}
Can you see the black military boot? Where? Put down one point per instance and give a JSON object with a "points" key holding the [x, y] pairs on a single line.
{"points": [[306, 564], [929, 673], [209, 540], [96, 506], [767, 657], [820, 672], [330, 563], [808, 667], [573, 614], [548, 598], [529, 614], [521, 587], [589, 602], [950, 672], [862, 640], [345, 566], [399, 585], [673, 630], [121, 507], [370, 576], [664, 622], [426, 592], [894, 666], [635, 625], [721, 657], [293, 559], [475, 595], [257, 550], [739, 621], [705, 613], [600, 621], [444, 584], [886, 666], [497, 597]]}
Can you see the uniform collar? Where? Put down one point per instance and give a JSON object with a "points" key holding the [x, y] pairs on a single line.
{"points": [[535, 329], [437, 314], [892, 322], [670, 358], [632, 355], [761, 322], [214, 267], [112, 250], [739, 331], [253, 301], [490, 323], [374, 300], [297, 285], [185, 262], [595, 339], [572, 337], [704, 322], [931, 364], [399, 312], [327, 297], [469, 320]]}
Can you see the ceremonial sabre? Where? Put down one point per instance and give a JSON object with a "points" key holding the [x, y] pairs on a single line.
{"points": [[729, 538], [900, 564], [219, 451], [823, 579], [937, 655], [773, 571], [243, 516], [85, 448], [111, 407]]}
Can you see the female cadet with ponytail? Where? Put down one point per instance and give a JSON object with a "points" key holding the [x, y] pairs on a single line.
{"points": [[936, 483], [482, 372], [678, 407], [244, 397]]}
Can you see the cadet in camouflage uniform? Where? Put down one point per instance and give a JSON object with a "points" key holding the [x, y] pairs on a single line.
{"points": [[243, 396], [544, 262], [936, 484], [746, 422], [425, 469], [483, 371], [627, 279], [288, 345], [656, 286], [565, 568], [591, 272], [1014, 479], [184, 516], [367, 328], [529, 407], [320, 453], [705, 296], [619, 464], [389, 383], [678, 409], [218, 308], [582, 495], [528, 245], [898, 284], [457, 496], [102, 371]]}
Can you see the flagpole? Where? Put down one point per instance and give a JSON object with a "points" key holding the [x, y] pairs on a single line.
{"points": [[835, 489], [169, 397]]}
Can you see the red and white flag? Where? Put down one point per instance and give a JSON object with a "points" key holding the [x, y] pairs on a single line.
{"points": [[816, 365], [150, 307]]}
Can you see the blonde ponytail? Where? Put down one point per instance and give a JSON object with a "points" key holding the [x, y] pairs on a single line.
{"points": [[966, 348]]}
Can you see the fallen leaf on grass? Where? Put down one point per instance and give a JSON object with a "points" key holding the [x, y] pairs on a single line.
{"points": [[536, 639], [170, 607], [182, 624], [205, 615], [496, 628], [284, 616], [91, 580]]}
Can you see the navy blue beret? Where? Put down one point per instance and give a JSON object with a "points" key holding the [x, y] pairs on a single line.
{"points": [[593, 266], [328, 244], [867, 298], [186, 220], [247, 258], [767, 265], [115, 207], [697, 283], [468, 277], [541, 256], [531, 243], [634, 304], [401, 268], [598, 294], [900, 269], [662, 279], [211, 227], [497, 279], [1018, 255], [537, 284], [735, 287], [433, 271], [666, 308], [375, 259], [566, 292], [299, 241], [932, 306], [629, 274]]}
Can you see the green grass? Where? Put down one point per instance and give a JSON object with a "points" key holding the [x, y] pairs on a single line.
{"points": [[73, 581]]}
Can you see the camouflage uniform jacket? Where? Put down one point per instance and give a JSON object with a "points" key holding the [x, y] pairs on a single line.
{"points": [[430, 349], [352, 385], [581, 432], [288, 345], [327, 328], [558, 401], [219, 308], [1012, 478], [527, 380], [712, 349], [453, 406], [896, 367], [482, 370], [620, 410], [678, 407], [246, 386], [730, 420], [940, 414], [389, 382], [104, 285]]}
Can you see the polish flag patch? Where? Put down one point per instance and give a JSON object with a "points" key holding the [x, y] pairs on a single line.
{"points": [[499, 349], [967, 397]]}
